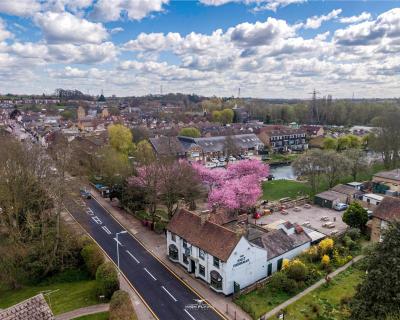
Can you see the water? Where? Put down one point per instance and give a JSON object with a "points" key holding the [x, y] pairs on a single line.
{"points": [[284, 172]]}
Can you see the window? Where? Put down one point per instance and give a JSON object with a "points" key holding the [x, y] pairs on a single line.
{"points": [[202, 254], [173, 252], [173, 237], [202, 270], [185, 259], [216, 280], [184, 244], [216, 262]]}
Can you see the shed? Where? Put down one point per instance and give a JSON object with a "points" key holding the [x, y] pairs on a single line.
{"points": [[327, 199]]}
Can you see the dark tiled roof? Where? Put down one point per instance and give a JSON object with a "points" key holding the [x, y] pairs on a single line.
{"points": [[388, 209], [341, 188], [208, 236], [277, 242], [392, 175], [167, 146], [332, 196], [35, 308]]}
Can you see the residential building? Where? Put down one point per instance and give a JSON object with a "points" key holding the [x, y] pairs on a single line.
{"points": [[386, 212], [283, 139], [313, 131], [228, 258], [371, 198], [390, 179]]}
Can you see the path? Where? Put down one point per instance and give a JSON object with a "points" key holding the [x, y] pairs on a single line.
{"points": [[83, 311], [311, 288]]}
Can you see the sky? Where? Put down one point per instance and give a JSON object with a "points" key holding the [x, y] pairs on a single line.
{"points": [[267, 48]]}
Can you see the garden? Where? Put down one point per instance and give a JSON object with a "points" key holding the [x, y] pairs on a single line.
{"points": [[296, 275]]}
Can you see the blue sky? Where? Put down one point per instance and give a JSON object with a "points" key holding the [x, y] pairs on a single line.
{"points": [[268, 48]]}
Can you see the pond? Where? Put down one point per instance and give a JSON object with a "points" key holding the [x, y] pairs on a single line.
{"points": [[284, 172]]}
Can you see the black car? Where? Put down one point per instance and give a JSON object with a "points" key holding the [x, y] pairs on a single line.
{"points": [[85, 194]]}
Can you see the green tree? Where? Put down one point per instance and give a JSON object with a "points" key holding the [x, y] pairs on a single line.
{"points": [[216, 116], [378, 295], [121, 307], [358, 161], [355, 216], [227, 116], [144, 152], [330, 143], [354, 141], [93, 257], [190, 132], [334, 166], [343, 143], [120, 138], [106, 280]]}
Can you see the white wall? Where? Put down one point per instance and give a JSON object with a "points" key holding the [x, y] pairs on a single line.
{"points": [[288, 255]]}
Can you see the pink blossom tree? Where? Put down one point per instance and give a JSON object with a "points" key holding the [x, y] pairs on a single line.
{"points": [[237, 187]]}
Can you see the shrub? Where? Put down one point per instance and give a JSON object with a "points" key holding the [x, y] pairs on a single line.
{"points": [[121, 307], [296, 270], [325, 260], [106, 280], [280, 282], [93, 257], [285, 264], [312, 254], [325, 246], [353, 233]]}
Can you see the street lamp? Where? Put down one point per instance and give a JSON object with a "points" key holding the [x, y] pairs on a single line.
{"points": [[116, 238]]}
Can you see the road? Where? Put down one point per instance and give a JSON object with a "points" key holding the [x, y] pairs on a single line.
{"points": [[166, 296]]}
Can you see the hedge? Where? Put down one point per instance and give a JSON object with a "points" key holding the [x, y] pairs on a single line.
{"points": [[121, 307], [93, 258], [106, 280]]}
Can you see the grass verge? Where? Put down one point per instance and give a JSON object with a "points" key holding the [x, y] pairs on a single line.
{"points": [[96, 316]]}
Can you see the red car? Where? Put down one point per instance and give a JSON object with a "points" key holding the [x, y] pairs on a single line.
{"points": [[256, 215]]}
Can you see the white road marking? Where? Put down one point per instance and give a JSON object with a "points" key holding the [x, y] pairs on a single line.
{"points": [[97, 220], [193, 318], [118, 241], [149, 273], [89, 211], [132, 256], [106, 230], [169, 293]]}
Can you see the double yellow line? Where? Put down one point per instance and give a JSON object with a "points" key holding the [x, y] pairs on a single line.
{"points": [[158, 259]]}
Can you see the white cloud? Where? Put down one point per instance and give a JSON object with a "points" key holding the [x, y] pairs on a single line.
{"points": [[356, 19], [19, 7], [64, 27], [316, 21], [113, 10], [116, 30], [272, 5], [4, 33], [260, 33], [386, 26]]}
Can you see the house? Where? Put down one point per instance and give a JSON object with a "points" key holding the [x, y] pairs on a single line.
{"points": [[285, 242], [387, 211], [351, 192], [35, 308], [390, 179], [328, 199], [372, 199], [313, 131], [167, 146], [283, 139], [229, 257]]}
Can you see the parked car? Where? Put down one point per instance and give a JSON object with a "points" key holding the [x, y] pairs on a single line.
{"points": [[231, 158], [211, 165], [340, 206], [85, 194], [256, 215]]}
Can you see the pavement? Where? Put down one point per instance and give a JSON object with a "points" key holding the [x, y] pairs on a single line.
{"points": [[288, 302], [165, 294], [97, 308], [156, 244]]}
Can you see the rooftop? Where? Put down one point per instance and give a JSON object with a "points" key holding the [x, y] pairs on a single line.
{"points": [[388, 209], [392, 175]]}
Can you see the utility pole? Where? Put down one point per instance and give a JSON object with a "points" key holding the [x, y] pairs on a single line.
{"points": [[313, 110]]}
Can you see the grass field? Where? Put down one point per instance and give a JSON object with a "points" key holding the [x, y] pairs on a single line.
{"points": [[277, 189], [96, 316], [325, 302], [65, 296]]}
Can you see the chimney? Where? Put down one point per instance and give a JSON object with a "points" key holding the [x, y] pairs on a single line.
{"points": [[204, 215]]}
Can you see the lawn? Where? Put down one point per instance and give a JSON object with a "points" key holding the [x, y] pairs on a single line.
{"points": [[96, 316], [325, 302], [258, 302], [276, 158], [65, 296], [277, 189]]}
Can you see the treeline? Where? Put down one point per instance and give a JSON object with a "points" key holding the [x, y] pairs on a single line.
{"points": [[340, 112]]}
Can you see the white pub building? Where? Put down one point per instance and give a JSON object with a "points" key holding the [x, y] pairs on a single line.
{"points": [[227, 260]]}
